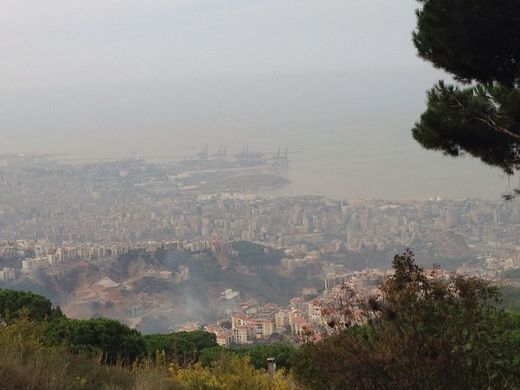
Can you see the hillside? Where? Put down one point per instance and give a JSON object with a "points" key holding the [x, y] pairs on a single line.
{"points": [[161, 291], [425, 332]]}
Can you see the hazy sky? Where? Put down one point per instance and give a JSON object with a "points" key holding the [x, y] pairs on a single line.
{"points": [[70, 43], [337, 80]]}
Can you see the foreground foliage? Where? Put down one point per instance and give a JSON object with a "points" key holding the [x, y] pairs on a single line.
{"points": [[426, 332], [182, 348], [40, 348], [28, 362], [283, 354], [430, 333], [231, 372]]}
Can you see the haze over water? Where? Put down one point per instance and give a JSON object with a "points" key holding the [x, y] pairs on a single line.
{"points": [[109, 79]]}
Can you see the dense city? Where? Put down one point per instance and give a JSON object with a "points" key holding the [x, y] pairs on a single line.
{"points": [[57, 219]]}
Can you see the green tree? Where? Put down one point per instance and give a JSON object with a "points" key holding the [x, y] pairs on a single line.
{"points": [[183, 348], [430, 333], [26, 362], [13, 303], [113, 340], [478, 42], [283, 354], [472, 39]]}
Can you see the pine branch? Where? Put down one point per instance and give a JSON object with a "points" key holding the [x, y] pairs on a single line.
{"points": [[489, 121], [493, 125]]}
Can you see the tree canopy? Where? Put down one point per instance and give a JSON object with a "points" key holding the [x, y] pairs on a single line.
{"points": [[471, 39], [183, 348], [14, 303], [113, 340], [478, 43]]}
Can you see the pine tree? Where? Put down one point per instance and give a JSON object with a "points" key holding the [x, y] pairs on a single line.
{"points": [[478, 42]]}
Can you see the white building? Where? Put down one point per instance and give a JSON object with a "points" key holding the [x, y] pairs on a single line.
{"points": [[7, 274], [29, 265]]}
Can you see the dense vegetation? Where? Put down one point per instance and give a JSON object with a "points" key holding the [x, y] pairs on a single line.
{"points": [[26, 362], [107, 338], [13, 303], [284, 354], [40, 348], [102, 337], [426, 333], [184, 348]]}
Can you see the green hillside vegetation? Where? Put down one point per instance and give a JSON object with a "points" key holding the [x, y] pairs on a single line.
{"points": [[284, 354], [27, 362], [99, 336], [430, 333], [40, 348], [13, 303], [426, 333], [184, 348]]}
